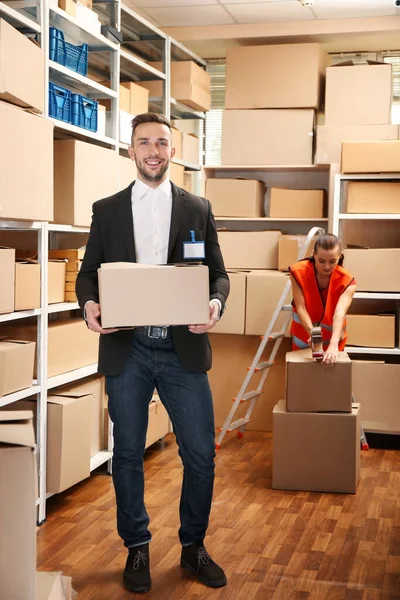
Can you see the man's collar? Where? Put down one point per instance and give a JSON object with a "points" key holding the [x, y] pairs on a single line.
{"points": [[140, 188]]}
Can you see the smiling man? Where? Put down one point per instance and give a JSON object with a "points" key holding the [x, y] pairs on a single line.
{"points": [[151, 222]]}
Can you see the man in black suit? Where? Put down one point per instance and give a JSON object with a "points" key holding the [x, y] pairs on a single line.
{"points": [[155, 222]]}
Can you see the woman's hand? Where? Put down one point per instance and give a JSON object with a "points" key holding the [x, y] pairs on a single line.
{"points": [[331, 355]]}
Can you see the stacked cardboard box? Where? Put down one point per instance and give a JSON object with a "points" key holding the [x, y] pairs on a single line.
{"points": [[74, 260], [276, 107], [357, 108], [236, 197], [316, 431]]}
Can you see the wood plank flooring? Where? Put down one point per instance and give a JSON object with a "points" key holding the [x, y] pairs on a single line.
{"points": [[273, 545]]}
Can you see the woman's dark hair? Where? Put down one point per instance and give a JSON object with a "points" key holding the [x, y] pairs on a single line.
{"points": [[328, 241]]}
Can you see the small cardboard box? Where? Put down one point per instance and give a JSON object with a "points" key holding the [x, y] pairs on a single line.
{"points": [[177, 142], [95, 388], [138, 98], [53, 586], [190, 148], [244, 135], [26, 185], [373, 197], [331, 137], [17, 505], [316, 452], [7, 278], [371, 157], [358, 94], [233, 319], [16, 365], [158, 422], [22, 70], [292, 76], [366, 265], [289, 248], [377, 331], [296, 204], [236, 197], [177, 174], [313, 387], [27, 283], [130, 294], [69, 6], [249, 249], [377, 385], [264, 288], [124, 97]]}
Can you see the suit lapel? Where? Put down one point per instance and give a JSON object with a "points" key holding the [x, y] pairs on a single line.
{"points": [[178, 214], [126, 221]]}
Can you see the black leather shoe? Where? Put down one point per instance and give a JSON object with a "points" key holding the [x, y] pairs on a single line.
{"points": [[195, 558], [137, 570]]}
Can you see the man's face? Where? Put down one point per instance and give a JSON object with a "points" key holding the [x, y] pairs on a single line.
{"points": [[152, 151]]}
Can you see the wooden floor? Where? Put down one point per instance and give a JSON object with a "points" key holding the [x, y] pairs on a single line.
{"points": [[272, 544]]}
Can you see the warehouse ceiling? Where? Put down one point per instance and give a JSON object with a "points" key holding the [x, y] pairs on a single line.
{"points": [[210, 27]]}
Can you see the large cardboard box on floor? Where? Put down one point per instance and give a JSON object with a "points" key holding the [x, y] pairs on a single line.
{"points": [[316, 452], [17, 506], [158, 422], [7, 278], [95, 388], [375, 269], [233, 319], [373, 197], [16, 365], [312, 387], [22, 69], [264, 288], [371, 157], [244, 133], [292, 76], [71, 345], [299, 204], [377, 331], [236, 197], [130, 294], [358, 94], [27, 283], [249, 249], [190, 84], [377, 385], [84, 173], [331, 137], [289, 248], [26, 185]]}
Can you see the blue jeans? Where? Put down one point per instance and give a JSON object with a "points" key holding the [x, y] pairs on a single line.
{"points": [[153, 363]]}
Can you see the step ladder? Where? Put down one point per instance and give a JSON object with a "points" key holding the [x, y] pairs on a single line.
{"points": [[265, 366]]}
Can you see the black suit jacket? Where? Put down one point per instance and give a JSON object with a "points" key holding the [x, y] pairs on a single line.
{"points": [[111, 239]]}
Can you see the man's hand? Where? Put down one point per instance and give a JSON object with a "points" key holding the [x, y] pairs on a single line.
{"points": [[214, 314], [331, 355], [92, 317]]}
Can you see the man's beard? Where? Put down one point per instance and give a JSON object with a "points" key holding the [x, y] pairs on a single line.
{"points": [[149, 176]]}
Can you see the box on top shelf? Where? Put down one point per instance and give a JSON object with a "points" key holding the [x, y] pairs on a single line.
{"points": [[373, 197], [129, 294], [236, 197], [234, 316], [358, 94], [16, 365], [7, 278], [376, 331], [249, 249], [244, 135], [296, 204], [331, 137], [190, 84], [371, 157], [264, 288], [26, 185], [275, 76], [22, 70], [375, 269]]}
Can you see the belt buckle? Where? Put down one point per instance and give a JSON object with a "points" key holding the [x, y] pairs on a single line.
{"points": [[156, 332]]}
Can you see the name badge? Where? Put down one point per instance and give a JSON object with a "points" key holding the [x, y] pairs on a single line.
{"points": [[193, 249]]}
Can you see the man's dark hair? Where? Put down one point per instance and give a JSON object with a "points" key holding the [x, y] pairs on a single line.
{"points": [[149, 118]]}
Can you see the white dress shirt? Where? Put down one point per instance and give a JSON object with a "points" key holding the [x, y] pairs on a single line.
{"points": [[151, 210]]}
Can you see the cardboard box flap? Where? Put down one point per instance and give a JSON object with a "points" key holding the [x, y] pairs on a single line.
{"points": [[66, 398], [5, 340], [356, 63], [16, 428]]}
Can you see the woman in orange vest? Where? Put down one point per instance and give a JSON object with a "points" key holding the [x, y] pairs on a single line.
{"points": [[322, 294]]}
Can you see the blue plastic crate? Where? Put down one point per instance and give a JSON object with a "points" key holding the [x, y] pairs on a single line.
{"points": [[66, 54], [84, 112], [59, 102]]}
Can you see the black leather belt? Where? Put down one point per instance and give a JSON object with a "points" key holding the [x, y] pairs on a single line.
{"points": [[155, 331]]}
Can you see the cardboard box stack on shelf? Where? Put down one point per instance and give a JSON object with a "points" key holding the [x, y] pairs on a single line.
{"points": [[73, 258], [277, 106], [316, 430], [357, 108], [133, 100]]}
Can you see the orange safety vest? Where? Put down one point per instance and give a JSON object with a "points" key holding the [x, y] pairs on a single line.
{"points": [[320, 315]]}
